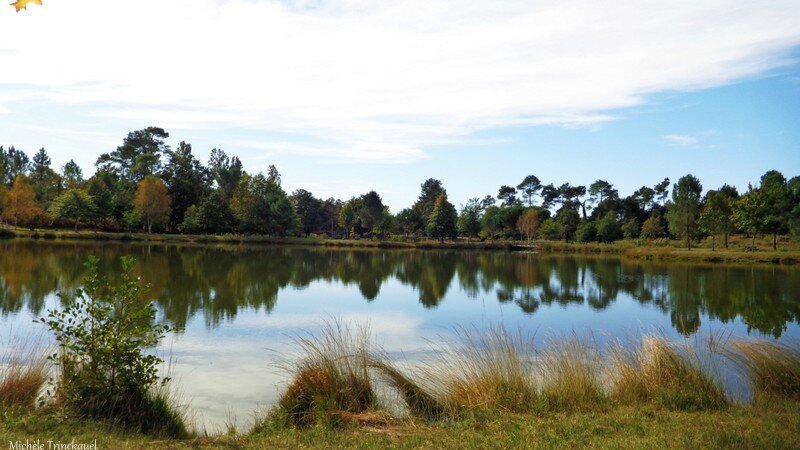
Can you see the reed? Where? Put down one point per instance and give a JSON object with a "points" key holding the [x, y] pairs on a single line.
{"points": [[570, 376], [332, 380], [661, 373], [492, 370], [23, 372], [772, 369]]}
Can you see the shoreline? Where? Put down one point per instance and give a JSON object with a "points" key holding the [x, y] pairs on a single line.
{"points": [[626, 248]]}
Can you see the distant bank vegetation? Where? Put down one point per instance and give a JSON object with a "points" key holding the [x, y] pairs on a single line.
{"points": [[145, 185]]}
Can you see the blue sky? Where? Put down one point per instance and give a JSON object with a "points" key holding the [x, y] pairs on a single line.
{"points": [[350, 95]]}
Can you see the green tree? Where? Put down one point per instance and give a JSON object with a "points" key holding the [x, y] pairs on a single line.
{"points": [[568, 219], [528, 188], [469, 220], [508, 196], [442, 221], [586, 232], [371, 213], [408, 221], [661, 191], [600, 191], [262, 207], [138, 156], [748, 213], [652, 228], [186, 179], [684, 210], [212, 215], [46, 182], [716, 216], [225, 171], [775, 195], [551, 230], [72, 175], [74, 205], [631, 229], [13, 163], [310, 211], [431, 189], [608, 229]]}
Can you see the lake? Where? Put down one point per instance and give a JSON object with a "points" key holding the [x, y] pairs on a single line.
{"points": [[237, 309]]}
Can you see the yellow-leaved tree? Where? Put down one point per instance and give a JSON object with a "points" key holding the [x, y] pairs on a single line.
{"points": [[152, 203], [19, 203]]}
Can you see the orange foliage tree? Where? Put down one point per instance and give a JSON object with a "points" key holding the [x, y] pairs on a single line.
{"points": [[152, 203], [528, 224], [19, 203]]}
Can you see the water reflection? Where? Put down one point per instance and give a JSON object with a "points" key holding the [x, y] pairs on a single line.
{"points": [[217, 283]]}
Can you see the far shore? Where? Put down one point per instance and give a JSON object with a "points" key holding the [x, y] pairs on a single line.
{"points": [[788, 253]]}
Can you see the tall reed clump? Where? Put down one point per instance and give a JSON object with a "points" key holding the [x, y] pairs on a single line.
{"points": [[331, 383], [490, 370], [659, 372], [23, 372], [105, 370], [570, 376], [772, 369]]}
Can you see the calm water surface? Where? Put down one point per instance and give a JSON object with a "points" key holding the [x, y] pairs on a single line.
{"points": [[235, 309]]}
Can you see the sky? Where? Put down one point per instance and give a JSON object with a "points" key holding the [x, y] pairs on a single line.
{"points": [[345, 96]]}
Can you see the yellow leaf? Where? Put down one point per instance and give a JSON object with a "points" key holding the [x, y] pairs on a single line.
{"points": [[22, 4]]}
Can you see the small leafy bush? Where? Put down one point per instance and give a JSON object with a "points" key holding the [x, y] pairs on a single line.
{"points": [[105, 371]]}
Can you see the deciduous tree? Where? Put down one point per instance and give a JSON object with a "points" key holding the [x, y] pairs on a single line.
{"points": [[152, 203]]}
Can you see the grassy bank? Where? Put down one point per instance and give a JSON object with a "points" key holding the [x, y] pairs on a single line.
{"points": [[737, 426], [738, 252]]}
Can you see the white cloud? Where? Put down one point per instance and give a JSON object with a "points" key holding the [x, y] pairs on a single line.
{"points": [[381, 80], [681, 139]]}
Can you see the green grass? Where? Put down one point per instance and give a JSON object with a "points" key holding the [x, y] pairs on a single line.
{"points": [[629, 427]]}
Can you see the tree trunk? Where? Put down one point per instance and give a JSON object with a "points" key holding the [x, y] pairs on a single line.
{"points": [[754, 241], [149, 228], [713, 242], [774, 241], [688, 239], [726, 240]]}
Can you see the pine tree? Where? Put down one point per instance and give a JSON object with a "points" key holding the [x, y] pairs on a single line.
{"points": [[442, 221]]}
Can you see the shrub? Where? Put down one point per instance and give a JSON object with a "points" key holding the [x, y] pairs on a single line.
{"points": [[105, 371], [586, 232], [631, 229], [551, 230]]}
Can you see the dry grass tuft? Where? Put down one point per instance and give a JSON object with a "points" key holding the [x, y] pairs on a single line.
{"points": [[658, 372], [485, 370], [571, 376], [23, 372], [332, 380], [420, 403], [773, 369]]}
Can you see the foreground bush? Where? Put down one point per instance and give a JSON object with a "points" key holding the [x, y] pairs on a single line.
{"points": [[105, 371]]}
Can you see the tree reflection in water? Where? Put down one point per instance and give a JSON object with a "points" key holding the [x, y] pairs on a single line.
{"points": [[219, 281]]}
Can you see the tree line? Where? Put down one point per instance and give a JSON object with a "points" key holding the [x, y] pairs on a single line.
{"points": [[146, 185]]}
